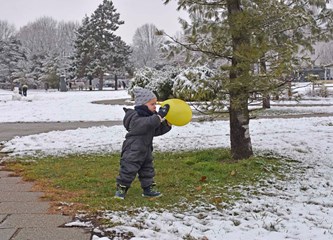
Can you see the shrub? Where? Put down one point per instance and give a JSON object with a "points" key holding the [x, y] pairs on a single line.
{"points": [[195, 83]]}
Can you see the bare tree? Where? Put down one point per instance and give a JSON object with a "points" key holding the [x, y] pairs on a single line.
{"points": [[64, 50], [39, 37], [146, 46], [66, 37], [49, 45], [7, 30], [324, 53]]}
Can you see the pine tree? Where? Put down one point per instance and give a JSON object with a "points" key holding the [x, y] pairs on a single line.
{"points": [[12, 57], [84, 48], [98, 49], [36, 67], [257, 43]]}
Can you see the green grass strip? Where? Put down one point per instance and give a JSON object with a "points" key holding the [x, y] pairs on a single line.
{"points": [[88, 181]]}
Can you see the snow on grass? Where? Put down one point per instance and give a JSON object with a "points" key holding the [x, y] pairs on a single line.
{"points": [[301, 207]]}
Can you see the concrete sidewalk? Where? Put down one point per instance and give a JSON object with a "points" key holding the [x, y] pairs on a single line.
{"points": [[11, 130], [23, 216]]}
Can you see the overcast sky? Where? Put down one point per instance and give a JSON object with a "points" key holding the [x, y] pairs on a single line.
{"points": [[135, 13]]}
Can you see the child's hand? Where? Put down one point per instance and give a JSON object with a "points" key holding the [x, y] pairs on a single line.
{"points": [[163, 111]]}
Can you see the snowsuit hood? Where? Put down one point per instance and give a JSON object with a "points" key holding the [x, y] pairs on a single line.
{"points": [[129, 113]]}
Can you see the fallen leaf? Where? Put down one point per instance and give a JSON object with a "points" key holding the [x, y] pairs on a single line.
{"points": [[203, 179], [233, 173], [217, 200]]}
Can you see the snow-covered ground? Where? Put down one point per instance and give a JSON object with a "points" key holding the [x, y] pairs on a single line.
{"points": [[300, 208]]}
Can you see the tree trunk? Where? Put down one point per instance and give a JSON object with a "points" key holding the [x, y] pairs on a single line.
{"points": [[290, 93], [115, 82], [240, 139], [12, 86], [101, 82], [266, 102], [90, 78], [90, 84]]}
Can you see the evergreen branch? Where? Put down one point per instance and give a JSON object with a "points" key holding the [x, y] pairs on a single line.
{"points": [[197, 48]]}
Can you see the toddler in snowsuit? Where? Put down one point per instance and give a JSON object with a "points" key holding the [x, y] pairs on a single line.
{"points": [[142, 124]]}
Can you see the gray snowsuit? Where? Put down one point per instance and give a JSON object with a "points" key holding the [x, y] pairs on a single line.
{"points": [[136, 155]]}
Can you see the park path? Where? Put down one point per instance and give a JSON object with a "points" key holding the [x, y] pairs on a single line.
{"points": [[24, 216], [10, 130]]}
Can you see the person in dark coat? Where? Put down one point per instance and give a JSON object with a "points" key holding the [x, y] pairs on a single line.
{"points": [[25, 90], [20, 89], [142, 124]]}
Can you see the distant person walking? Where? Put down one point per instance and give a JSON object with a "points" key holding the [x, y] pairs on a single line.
{"points": [[20, 90], [124, 84], [25, 90]]}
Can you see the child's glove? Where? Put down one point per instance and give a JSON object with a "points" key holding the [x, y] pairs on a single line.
{"points": [[163, 111]]}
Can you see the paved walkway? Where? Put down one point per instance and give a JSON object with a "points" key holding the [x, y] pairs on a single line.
{"points": [[10, 130], [23, 216]]}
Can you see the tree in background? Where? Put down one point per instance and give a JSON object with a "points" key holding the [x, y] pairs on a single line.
{"points": [[173, 53], [195, 83], [11, 55], [323, 53], [7, 30], [241, 34], [146, 46], [66, 35], [84, 49], [160, 81], [40, 36], [98, 50], [49, 45], [12, 58]]}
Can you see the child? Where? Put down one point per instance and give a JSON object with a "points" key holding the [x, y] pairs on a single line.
{"points": [[142, 124]]}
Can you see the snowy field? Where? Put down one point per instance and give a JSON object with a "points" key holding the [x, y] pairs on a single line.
{"points": [[300, 208]]}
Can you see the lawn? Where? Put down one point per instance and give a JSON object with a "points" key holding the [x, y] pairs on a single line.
{"points": [[87, 182]]}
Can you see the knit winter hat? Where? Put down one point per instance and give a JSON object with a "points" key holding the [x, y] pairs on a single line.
{"points": [[142, 96]]}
